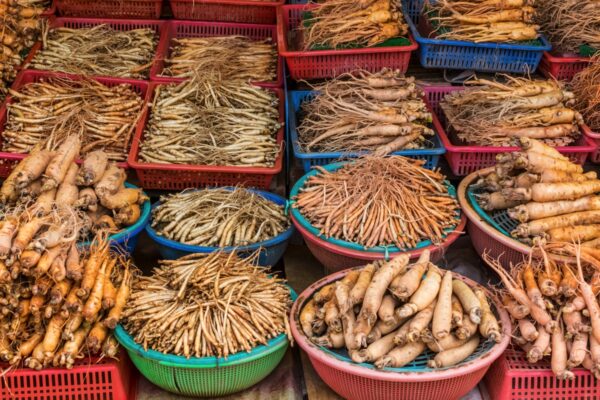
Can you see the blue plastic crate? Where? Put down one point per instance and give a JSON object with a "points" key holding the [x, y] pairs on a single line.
{"points": [[295, 99], [485, 57]]}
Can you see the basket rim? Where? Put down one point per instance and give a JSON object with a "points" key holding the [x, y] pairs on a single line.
{"points": [[314, 352], [565, 58], [590, 133], [282, 39], [174, 361], [276, 240], [261, 3]]}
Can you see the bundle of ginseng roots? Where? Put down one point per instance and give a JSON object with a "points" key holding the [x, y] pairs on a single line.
{"points": [[381, 112], [554, 304], [51, 321], [97, 51], [497, 21], [233, 57], [341, 23], [388, 314], [49, 111], [570, 24], [376, 201], [207, 305], [586, 86], [218, 217], [19, 29], [87, 199], [546, 193], [495, 114], [211, 121]]}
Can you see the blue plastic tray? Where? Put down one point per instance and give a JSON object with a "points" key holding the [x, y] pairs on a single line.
{"points": [[271, 250], [486, 57], [295, 99]]}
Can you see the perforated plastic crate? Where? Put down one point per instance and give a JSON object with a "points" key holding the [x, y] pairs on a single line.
{"points": [[195, 29], [316, 64], [244, 11], [431, 154], [110, 8], [9, 160], [184, 176], [595, 137], [511, 377], [464, 159], [562, 67]]}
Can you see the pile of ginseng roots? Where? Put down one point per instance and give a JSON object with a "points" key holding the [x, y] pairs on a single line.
{"points": [[51, 110], [339, 23], [496, 114], [218, 217], [378, 112], [51, 320], [377, 201], [586, 86], [211, 121], [551, 197], [554, 305], [496, 21], [389, 313], [207, 305]]}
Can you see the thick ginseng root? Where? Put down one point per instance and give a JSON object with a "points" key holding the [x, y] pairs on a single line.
{"points": [[468, 299], [401, 355], [424, 295], [453, 356], [442, 315], [403, 286], [488, 327]]}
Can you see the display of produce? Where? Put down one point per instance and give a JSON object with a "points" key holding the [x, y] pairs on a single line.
{"points": [[586, 86], [477, 21], [233, 57], [218, 217], [97, 51], [380, 112], [54, 108], [208, 120], [62, 307], [377, 201], [339, 23], [570, 24], [389, 313], [554, 306], [207, 305], [497, 114], [20, 27]]}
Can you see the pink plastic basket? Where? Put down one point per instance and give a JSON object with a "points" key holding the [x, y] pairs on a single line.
{"points": [[335, 258], [159, 27], [562, 67], [191, 29], [149, 9], [316, 64], [353, 381], [595, 137], [244, 11], [511, 377], [9, 160], [464, 159]]}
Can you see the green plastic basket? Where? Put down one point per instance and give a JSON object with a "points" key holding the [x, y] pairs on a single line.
{"points": [[207, 376]]}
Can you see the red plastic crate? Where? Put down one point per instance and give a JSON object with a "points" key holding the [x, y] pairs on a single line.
{"points": [[562, 67], [159, 27], [50, 10], [595, 137], [465, 159], [9, 160], [183, 176], [192, 29], [89, 379], [511, 377], [148, 9], [250, 12], [317, 64]]}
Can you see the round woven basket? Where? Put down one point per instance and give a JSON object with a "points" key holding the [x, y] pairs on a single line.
{"points": [[413, 382]]}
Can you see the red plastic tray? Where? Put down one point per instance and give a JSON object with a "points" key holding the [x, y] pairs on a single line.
{"points": [[159, 27], [179, 177], [466, 159], [148, 9], [595, 137], [317, 64], [562, 68], [251, 12], [89, 379], [192, 29], [9, 160], [511, 377]]}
